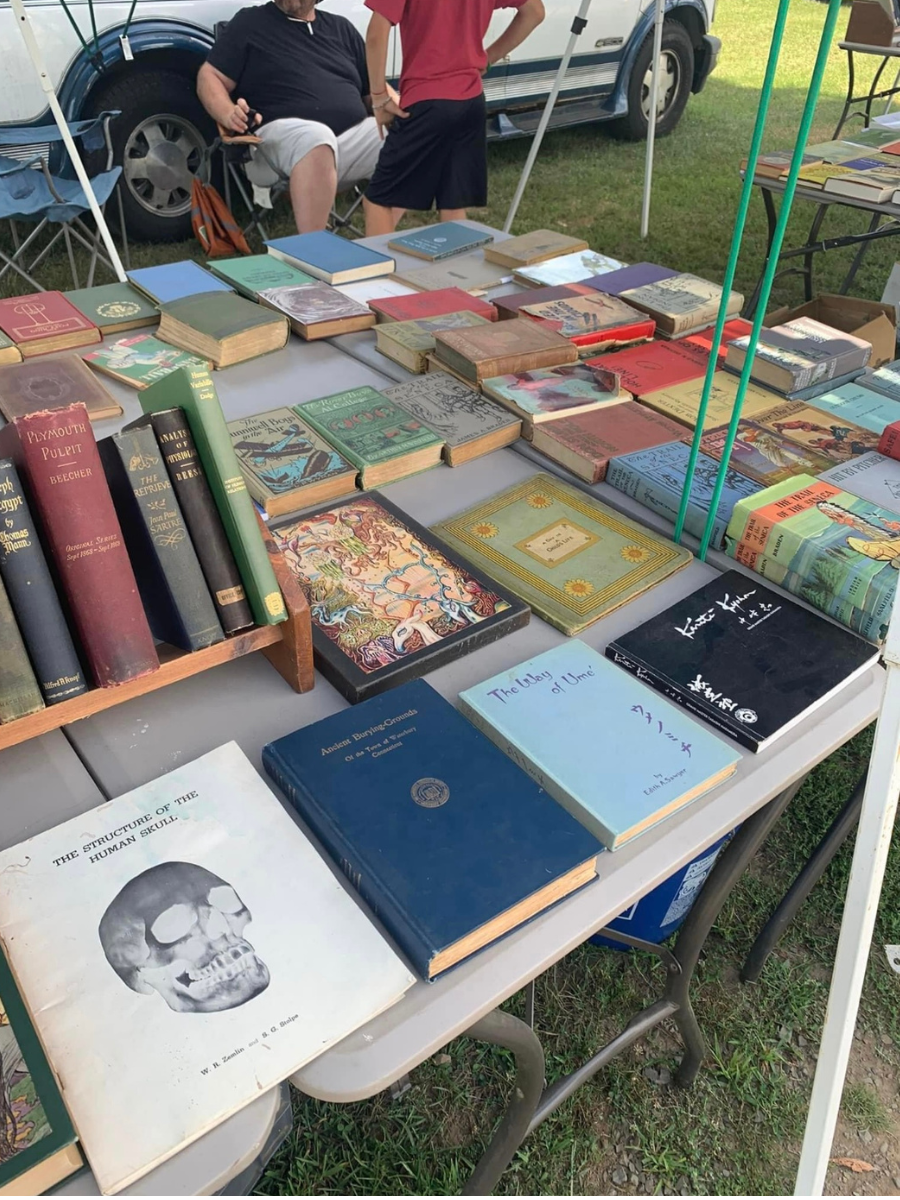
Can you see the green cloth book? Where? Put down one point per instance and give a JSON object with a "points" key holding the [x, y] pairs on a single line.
{"points": [[382, 440], [194, 391], [19, 692], [114, 307], [222, 327], [568, 556], [252, 275], [9, 351]]}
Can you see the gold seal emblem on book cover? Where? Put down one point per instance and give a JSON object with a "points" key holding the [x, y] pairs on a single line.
{"points": [[430, 793]]}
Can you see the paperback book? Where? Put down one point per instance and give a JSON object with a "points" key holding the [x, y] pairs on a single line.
{"points": [[585, 444], [330, 258], [467, 423], [682, 303], [175, 280], [44, 323], [139, 361], [318, 311], [53, 383], [114, 307], [437, 242], [567, 268], [554, 393], [535, 247], [410, 342]]}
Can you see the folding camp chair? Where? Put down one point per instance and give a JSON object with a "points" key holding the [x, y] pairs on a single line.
{"points": [[31, 192]]}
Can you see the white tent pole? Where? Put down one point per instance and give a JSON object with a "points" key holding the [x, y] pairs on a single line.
{"points": [[873, 840], [577, 26], [651, 118], [37, 60]]}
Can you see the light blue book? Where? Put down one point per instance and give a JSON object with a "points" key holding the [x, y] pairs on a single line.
{"points": [[885, 380], [331, 258], [613, 752], [859, 404], [441, 241], [871, 476], [175, 280]]}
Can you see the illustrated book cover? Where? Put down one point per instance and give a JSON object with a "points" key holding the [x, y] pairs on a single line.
{"points": [[444, 809], [468, 424], [799, 354], [567, 268], [329, 257], [257, 273], [554, 393], [114, 307], [750, 662], [223, 328], [510, 304], [595, 320], [763, 454], [502, 348], [54, 383], [44, 323], [655, 759], [317, 310], [189, 937], [175, 280], [437, 242], [534, 247], [389, 600], [857, 403], [410, 342], [682, 303], [585, 443], [872, 476], [836, 439], [681, 401], [570, 557], [416, 305], [651, 366], [141, 360]]}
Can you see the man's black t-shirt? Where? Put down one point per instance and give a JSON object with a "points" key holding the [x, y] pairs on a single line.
{"points": [[285, 68]]}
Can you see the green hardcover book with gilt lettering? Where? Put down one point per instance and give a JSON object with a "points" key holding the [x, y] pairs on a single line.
{"points": [[19, 691], [114, 307], [252, 275], [572, 559]]}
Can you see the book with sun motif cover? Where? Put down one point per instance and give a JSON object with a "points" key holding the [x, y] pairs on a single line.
{"points": [[570, 557]]}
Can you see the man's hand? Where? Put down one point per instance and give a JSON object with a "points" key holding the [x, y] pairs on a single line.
{"points": [[240, 117], [385, 107]]}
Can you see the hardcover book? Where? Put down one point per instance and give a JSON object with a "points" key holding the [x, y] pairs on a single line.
{"points": [[534, 247], [367, 290], [567, 268], [502, 349], [570, 557], [437, 242], [643, 274], [56, 455], [855, 404], [114, 307], [872, 476], [469, 274], [889, 442], [653, 366], [223, 329], [54, 383], [467, 423], [389, 601], [416, 305], [509, 306], [599, 321], [748, 661], [382, 441], [258, 272], [286, 464], [585, 443], [175, 280], [45, 322], [682, 303], [9, 351], [139, 361], [546, 711], [19, 692], [681, 401], [190, 937], [737, 327], [799, 354], [409, 342], [806, 424], [329, 257], [318, 311], [885, 380], [762, 454], [554, 393], [431, 780]]}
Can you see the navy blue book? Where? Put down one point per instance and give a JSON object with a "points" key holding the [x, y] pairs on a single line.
{"points": [[448, 841], [329, 257]]}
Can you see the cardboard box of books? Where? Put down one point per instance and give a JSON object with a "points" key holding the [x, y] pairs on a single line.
{"points": [[871, 320]]}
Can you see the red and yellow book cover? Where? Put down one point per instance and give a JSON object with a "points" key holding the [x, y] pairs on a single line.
{"points": [[889, 445], [431, 304], [762, 521], [44, 317], [737, 327]]}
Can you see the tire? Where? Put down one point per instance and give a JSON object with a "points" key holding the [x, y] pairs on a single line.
{"points": [[159, 142], [675, 85]]}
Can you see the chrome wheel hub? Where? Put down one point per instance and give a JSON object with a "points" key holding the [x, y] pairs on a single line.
{"points": [[669, 79], [160, 159]]}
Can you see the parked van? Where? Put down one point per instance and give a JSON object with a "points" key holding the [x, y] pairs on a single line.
{"points": [[146, 67]]}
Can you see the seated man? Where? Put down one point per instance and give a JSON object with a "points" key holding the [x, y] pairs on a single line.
{"points": [[302, 83]]}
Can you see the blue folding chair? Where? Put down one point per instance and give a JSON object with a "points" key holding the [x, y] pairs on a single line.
{"points": [[31, 192]]}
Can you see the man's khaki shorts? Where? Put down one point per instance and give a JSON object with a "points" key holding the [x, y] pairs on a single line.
{"points": [[286, 141]]}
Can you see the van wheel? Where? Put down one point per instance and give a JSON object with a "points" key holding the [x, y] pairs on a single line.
{"points": [[159, 141], [677, 73]]}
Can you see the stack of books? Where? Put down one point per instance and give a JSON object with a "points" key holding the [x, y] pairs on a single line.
{"points": [[801, 358]]}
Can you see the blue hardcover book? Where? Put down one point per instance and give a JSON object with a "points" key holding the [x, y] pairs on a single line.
{"points": [[175, 280], [436, 242], [614, 753], [860, 405], [655, 478], [825, 385], [447, 840], [885, 380], [326, 256]]}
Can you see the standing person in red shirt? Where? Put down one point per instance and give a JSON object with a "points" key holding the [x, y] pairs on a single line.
{"points": [[436, 152]]}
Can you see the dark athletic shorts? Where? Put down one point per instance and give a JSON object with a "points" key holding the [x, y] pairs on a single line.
{"points": [[437, 155]]}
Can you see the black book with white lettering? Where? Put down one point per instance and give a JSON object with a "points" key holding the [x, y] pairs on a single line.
{"points": [[747, 660]]}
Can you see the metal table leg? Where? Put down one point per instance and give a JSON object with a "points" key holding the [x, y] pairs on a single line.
{"points": [[772, 221], [849, 100], [859, 256], [808, 257]]}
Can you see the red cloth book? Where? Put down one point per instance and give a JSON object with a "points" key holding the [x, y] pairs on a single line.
{"points": [[45, 322], [737, 327], [655, 365], [431, 304], [585, 444], [508, 306], [889, 445]]}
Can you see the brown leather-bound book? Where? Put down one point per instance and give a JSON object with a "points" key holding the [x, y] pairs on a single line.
{"points": [[502, 349], [56, 452]]}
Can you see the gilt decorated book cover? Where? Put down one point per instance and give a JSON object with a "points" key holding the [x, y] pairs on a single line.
{"points": [[389, 601]]}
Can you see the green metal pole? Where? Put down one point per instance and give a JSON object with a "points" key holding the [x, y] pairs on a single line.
{"points": [[809, 108], [737, 237]]}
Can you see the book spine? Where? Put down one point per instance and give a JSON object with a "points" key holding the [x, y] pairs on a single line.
{"points": [[889, 443], [32, 593], [202, 518], [178, 604], [19, 691], [62, 467]]}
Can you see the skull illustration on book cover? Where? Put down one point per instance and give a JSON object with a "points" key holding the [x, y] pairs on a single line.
{"points": [[178, 929]]}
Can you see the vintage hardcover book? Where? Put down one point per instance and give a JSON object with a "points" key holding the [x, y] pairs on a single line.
{"points": [[599, 321], [224, 328], [175, 280], [57, 457], [682, 303], [834, 438], [874, 181], [389, 601], [502, 349], [857, 403], [198, 507], [885, 380], [139, 361], [546, 711], [762, 454], [467, 423], [748, 661], [195, 392], [872, 476], [431, 781], [437, 242], [800, 354], [510, 305], [681, 401], [774, 164], [114, 307], [470, 274], [653, 366], [318, 311], [9, 351], [45, 322], [737, 327], [889, 442], [20, 694], [287, 465], [416, 305], [190, 937], [570, 557], [410, 342], [585, 443], [534, 247], [178, 605], [614, 283], [384, 442], [54, 383], [367, 290], [32, 593], [567, 268], [329, 257], [258, 272], [554, 393], [656, 477]]}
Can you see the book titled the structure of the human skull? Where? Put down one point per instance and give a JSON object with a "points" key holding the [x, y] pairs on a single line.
{"points": [[181, 950]]}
